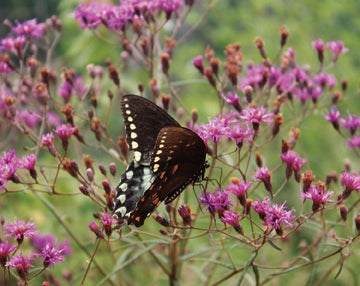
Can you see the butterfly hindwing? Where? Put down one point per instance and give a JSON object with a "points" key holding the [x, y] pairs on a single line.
{"points": [[178, 160]]}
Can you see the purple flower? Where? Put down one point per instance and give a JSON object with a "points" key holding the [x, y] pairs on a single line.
{"points": [[352, 122], [354, 142], [324, 79], [351, 181], [47, 139], [5, 67], [240, 134], [29, 118], [13, 45], [214, 130], [20, 229], [48, 249], [255, 115], [254, 76], [5, 249], [64, 131], [318, 196], [107, 221], [263, 174], [274, 215], [28, 162], [9, 164], [333, 117], [198, 62], [232, 99], [337, 48], [30, 29], [318, 45], [230, 217], [292, 160], [65, 91], [219, 201], [238, 187], [21, 264]]}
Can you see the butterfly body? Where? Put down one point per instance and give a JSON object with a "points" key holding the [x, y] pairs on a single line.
{"points": [[167, 158]]}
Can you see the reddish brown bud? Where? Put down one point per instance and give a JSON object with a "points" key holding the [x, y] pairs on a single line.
{"points": [[102, 169], [194, 115], [84, 190], [284, 34], [106, 186], [307, 179], [258, 159], [343, 212], [163, 221], [278, 121], [248, 90], [214, 63], [248, 205], [124, 148], [112, 168], [185, 213], [344, 84], [259, 43], [154, 87], [165, 99], [114, 75], [336, 97], [331, 177], [210, 76], [357, 222], [165, 63]]}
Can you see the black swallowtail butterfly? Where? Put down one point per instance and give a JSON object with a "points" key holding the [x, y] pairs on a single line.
{"points": [[167, 158]]}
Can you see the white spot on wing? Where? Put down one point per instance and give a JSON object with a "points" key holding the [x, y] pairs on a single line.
{"points": [[121, 198], [134, 145], [129, 174], [133, 135], [137, 155], [156, 168], [157, 159], [127, 111], [123, 187], [132, 126], [130, 119], [122, 210]]}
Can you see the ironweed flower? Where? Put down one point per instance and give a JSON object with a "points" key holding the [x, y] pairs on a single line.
{"points": [[351, 183], [218, 201], [263, 174], [5, 250], [274, 215], [352, 123], [30, 29], [232, 219], [255, 115], [318, 196], [334, 117], [239, 189], [20, 229], [336, 48], [21, 264]]}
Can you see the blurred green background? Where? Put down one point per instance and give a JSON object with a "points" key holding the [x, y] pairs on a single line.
{"points": [[229, 21]]}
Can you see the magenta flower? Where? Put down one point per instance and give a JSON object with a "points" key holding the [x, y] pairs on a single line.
{"points": [[214, 130], [21, 264], [65, 91], [5, 250], [20, 229], [13, 45], [324, 79], [336, 48], [318, 196], [198, 62], [263, 174], [238, 187], [5, 67], [334, 117], [30, 29], [108, 221], [47, 139], [29, 118], [230, 217], [351, 183], [219, 201], [232, 99], [9, 164], [255, 115], [49, 251], [240, 134], [274, 215], [28, 162], [354, 142], [352, 122], [318, 45], [293, 161], [64, 131]]}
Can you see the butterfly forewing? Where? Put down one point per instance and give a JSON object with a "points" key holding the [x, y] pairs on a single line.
{"points": [[143, 122], [178, 160]]}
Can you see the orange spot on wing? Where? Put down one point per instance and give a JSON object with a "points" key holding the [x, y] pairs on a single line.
{"points": [[175, 168]]}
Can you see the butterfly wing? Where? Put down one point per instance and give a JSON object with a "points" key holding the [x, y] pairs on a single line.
{"points": [[178, 160], [143, 121]]}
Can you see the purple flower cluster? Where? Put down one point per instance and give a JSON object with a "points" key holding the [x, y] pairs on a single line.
{"points": [[46, 248], [10, 163], [274, 215], [91, 14]]}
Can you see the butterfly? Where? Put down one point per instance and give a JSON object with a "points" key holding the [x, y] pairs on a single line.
{"points": [[167, 158]]}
